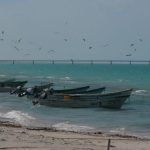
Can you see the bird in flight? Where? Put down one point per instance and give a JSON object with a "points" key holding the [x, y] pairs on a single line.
{"points": [[129, 55], [40, 48], [90, 47], [16, 48], [105, 45], [131, 44], [19, 40], [3, 32], [84, 39], [51, 51], [141, 40]]}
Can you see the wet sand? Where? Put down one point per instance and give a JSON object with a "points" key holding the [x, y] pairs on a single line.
{"points": [[16, 137]]}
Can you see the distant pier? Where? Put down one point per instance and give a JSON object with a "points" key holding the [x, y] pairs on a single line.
{"points": [[71, 61]]}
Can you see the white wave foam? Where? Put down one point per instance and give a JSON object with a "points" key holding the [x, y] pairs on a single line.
{"points": [[119, 131], [66, 126], [66, 78], [50, 77], [19, 117], [141, 92], [2, 75]]}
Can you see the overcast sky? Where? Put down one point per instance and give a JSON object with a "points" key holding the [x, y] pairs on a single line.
{"points": [[75, 29]]}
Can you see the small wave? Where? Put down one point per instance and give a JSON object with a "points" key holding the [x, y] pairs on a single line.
{"points": [[50, 77], [39, 77], [66, 78], [141, 92], [118, 130], [19, 117], [21, 77], [2, 75], [66, 126]]}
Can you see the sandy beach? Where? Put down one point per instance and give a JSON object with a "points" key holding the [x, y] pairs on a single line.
{"points": [[14, 136]]}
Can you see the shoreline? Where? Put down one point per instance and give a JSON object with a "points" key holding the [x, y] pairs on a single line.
{"points": [[53, 129], [15, 136]]}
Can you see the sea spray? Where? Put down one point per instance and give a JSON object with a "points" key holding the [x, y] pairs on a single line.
{"points": [[18, 117]]}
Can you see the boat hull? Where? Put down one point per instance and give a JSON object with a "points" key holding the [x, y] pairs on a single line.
{"points": [[9, 85], [110, 100], [6, 89], [73, 90]]}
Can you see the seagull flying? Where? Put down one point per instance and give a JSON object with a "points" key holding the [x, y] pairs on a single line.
{"points": [[3, 32], [16, 48], [40, 48], [84, 39], [129, 55], [19, 40], [105, 45], [51, 51], [131, 44], [90, 47]]}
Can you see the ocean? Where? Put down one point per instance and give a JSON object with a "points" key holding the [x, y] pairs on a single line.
{"points": [[133, 118]]}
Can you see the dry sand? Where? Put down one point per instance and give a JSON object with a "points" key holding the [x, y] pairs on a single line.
{"points": [[16, 137]]}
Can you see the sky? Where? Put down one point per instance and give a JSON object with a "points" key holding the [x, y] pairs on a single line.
{"points": [[75, 29]]}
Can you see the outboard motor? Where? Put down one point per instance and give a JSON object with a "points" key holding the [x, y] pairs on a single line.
{"points": [[29, 91], [35, 102], [43, 95], [18, 90]]}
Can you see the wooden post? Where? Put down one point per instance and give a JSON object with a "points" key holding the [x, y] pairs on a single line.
{"points": [[108, 147], [13, 62], [111, 62], [72, 61], [130, 62], [33, 62], [91, 62]]}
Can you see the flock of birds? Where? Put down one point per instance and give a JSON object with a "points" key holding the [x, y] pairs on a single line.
{"points": [[133, 45], [19, 40]]}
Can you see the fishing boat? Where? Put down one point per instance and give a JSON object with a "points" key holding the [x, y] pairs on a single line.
{"points": [[113, 100], [9, 85], [36, 93], [71, 90]]}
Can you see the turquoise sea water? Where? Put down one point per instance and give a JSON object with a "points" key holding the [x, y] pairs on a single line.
{"points": [[132, 118]]}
